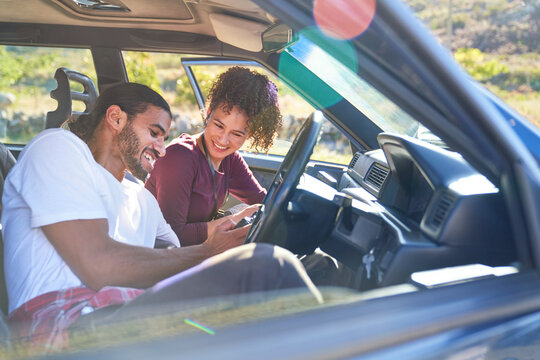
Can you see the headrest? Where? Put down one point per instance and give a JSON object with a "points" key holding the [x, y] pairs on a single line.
{"points": [[64, 95]]}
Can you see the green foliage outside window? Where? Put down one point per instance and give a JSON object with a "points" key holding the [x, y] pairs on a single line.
{"points": [[26, 80], [25, 68], [141, 69], [473, 60], [11, 69], [184, 91]]}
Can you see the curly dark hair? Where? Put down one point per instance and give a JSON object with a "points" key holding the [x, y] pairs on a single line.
{"points": [[253, 93], [132, 98]]}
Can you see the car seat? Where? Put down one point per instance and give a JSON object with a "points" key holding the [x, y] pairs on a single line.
{"points": [[65, 95]]}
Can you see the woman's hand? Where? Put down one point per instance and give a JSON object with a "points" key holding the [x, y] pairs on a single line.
{"points": [[248, 211], [212, 225]]}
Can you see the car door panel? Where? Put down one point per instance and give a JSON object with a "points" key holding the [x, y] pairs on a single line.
{"points": [[434, 324]]}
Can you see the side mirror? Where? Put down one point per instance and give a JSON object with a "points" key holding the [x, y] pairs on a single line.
{"points": [[278, 37]]}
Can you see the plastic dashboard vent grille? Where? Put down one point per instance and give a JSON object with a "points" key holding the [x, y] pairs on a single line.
{"points": [[354, 160], [446, 202], [376, 175]]}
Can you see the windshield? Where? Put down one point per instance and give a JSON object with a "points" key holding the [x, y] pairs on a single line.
{"points": [[338, 71]]}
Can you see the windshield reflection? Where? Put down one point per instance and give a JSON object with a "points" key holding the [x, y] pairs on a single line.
{"points": [[345, 81]]}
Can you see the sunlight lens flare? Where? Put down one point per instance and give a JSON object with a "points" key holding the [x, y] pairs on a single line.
{"points": [[343, 19], [330, 61], [200, 327]]}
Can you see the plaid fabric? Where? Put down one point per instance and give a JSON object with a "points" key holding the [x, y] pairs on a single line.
{"points": [[44, 319]]}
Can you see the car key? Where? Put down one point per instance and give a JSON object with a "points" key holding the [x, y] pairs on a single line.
{"points": [[368, 260]]}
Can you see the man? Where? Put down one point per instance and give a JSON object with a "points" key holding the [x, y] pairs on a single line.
{"points": [[78, 237]]}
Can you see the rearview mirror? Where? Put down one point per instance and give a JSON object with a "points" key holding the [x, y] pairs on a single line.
{"points": [[278, 37]]}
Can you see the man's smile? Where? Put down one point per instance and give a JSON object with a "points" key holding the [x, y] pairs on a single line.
{"points": [[149, 157]]}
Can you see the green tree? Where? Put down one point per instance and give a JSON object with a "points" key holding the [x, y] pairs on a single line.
{"points": [[141, 69], [473, 60], [11, 69], [184, 91]]}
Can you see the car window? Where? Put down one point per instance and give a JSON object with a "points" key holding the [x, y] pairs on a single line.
{"points": [[165, 74], [341, 77], [506, 64], [332, 78], [26, 80]]}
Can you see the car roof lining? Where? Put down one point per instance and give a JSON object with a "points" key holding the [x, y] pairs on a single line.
{"points": [[201, 17], [86, 37]]}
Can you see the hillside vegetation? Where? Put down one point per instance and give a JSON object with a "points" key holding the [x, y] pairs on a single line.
{"points": [[496, 41]]}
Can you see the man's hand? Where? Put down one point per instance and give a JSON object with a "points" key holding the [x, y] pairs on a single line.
{"points": [[225, 237]]}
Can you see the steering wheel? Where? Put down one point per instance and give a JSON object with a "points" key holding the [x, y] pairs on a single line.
{"points": [[274, 207]]}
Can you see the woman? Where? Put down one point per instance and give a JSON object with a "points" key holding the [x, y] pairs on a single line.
{"points": [[192, 181]]}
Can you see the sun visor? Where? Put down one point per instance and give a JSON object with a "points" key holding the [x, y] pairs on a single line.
{"points": [[241, 33]]}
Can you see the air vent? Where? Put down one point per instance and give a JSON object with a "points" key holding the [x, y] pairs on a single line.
{"points": [[354, 160], [445, 204], [376, 175]]}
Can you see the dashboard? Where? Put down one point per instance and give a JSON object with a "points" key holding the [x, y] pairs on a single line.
{"points": [[407, 207]]}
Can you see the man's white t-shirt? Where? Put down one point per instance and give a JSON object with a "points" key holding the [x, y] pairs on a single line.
{"points": [[57, 179]]}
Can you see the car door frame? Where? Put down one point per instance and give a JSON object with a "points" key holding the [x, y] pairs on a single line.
{"points": [[387, 324]]}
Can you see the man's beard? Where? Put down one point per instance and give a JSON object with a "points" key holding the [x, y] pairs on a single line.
{"points": [[129, 145]]}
